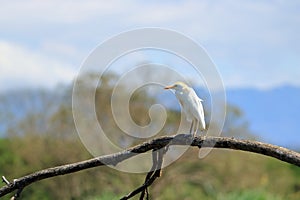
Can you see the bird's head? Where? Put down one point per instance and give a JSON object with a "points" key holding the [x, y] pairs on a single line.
{"points": [[178, 86]]}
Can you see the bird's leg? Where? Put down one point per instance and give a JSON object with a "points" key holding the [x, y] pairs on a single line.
{"points": [[191, 129]]}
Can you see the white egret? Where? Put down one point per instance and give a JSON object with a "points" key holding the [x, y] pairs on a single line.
{"points": [[191, 105]]}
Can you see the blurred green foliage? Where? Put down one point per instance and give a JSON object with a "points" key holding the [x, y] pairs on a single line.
{"points": [[224, 174], [43, 140]]}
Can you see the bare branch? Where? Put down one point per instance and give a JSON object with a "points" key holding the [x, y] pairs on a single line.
{"points": [[280, 153]]}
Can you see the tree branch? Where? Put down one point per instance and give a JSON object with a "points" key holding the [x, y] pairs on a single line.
{"points": [[154, 173], [280, 153]]}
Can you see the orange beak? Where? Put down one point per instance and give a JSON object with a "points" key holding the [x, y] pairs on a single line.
{"points": [[169, 87]]}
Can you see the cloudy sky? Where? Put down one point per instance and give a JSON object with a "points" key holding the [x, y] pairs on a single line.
{"points": [[253, 43]]}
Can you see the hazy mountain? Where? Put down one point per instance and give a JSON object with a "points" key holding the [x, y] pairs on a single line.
{"points": [[17, 104], [272, 114]]}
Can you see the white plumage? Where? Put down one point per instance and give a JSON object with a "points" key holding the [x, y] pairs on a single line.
{"points": [[191, 105]]}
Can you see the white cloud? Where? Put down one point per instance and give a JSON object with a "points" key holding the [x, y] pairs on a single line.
{"points": [[63, 52], [22, 67], [55, 11], [248, 36]]}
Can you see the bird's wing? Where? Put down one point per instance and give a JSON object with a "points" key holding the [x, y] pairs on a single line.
{"points": [[184, 107], [201, 113], [197, 108], [185, 110], [181, 102]]}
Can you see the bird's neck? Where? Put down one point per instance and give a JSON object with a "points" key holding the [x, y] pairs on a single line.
{"points": [[184, 90]]}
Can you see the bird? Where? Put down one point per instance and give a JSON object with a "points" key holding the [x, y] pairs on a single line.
{"points": [[191, 105]]}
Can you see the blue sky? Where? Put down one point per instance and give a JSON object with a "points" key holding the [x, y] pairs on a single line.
{"points": [[253, 43]]}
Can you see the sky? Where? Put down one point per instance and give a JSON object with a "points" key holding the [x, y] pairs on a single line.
{"points": [[253, 43]]}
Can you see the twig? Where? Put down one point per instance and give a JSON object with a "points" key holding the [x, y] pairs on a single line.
{"points": [[154, 173], [142, 188], [150, 174], [280, 153], [4, 180], [18, 194]]}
